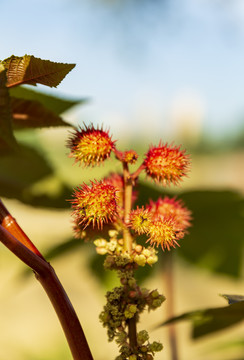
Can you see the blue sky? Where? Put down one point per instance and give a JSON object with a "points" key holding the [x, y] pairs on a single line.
{"points": [[145, 68]]}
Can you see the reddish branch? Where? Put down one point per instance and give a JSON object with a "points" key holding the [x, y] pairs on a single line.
{"points": [[23, 248]]}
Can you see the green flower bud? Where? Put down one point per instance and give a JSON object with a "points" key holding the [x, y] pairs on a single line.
{"points": [[146, 252], [156, 346], [112, 245], [140, 260], [100, 243], [133, 357], [101, 251], [143, 348], [152, 259], [142, 337], [130, 311], [155, 294]]}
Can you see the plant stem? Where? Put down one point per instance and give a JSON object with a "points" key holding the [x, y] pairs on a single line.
{"points": [[128, 187], [56, 293], [132, 333], [169, 281], [127, 207], [10, 224]]}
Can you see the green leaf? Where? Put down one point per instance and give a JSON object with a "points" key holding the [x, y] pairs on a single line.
{"points": [[20, 170], [7, 140], [216, 238], [32, 114], [30, 70], [55, 104], [211, 320]]}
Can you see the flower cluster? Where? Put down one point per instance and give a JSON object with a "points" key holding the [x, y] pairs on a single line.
{"points": [[107, 206], [124, 303], [164, 221]]}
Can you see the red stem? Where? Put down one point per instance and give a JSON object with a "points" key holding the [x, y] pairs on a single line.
{"points": [[10, 224], [56, 293]]}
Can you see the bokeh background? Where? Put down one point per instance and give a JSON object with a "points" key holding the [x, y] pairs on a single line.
{"points": [[150, 70]]}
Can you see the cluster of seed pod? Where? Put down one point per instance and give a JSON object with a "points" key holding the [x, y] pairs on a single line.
{"points": [[103, 211]]}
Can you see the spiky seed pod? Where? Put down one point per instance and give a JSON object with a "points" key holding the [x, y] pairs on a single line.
{"points": [[90, 146], [130, 156], [171, 207], [140, 220], [164, 232], [166, 164], [95, 204]]}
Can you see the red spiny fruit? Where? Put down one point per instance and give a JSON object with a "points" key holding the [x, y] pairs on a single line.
{"points": [[140, 220], [90, 146], [166, 164], [164, 232], [171, 207], [95, 204]]}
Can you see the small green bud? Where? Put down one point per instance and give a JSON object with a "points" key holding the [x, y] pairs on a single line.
{"points": [[152, 259], [101, 251], [121, 338], [142, 337], [143, 348], [132, 308], [125, 350], [140, 260], [132, 282], [111, 246], [155, 294], [133, 357], [156, 346], [146, 252], [100, 243], [156, 303], [112, 233], [130, 311]]}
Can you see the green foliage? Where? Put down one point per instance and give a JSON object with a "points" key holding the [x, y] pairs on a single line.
{"points": [[53, 103], [7, 140], [30, 70], [32, 114], [22, 166], [208, 321]]}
